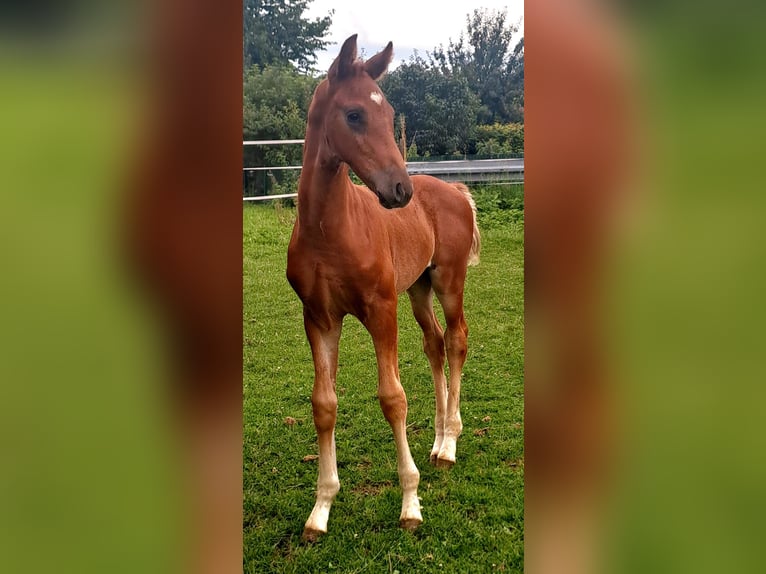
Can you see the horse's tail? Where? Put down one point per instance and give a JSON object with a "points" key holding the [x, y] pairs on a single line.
{"points": [[473, 254]]}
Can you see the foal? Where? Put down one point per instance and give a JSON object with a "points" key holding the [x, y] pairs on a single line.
{"points": [[354, 249]]}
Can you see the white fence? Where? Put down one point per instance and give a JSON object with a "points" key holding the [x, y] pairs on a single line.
{"points": [[477, 170]]}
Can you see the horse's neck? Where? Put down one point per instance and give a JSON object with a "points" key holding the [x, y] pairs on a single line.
{"points": [[325, 193]]}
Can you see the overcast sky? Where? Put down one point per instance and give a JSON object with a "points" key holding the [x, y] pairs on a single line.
{"points": [[410, 24]]}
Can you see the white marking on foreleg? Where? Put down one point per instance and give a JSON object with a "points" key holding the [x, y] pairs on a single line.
{"points": [[328, 486], [409, 478]]}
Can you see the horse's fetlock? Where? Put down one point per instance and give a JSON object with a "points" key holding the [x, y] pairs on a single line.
{"points": [[328, 488]]}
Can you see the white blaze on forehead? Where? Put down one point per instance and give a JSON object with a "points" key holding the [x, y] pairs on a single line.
{"points": [[376, 97]]}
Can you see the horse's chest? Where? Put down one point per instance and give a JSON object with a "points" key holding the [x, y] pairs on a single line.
{"points": [[336, 279]]}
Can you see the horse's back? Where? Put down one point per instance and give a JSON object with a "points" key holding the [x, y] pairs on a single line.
{"points": [[441, 198]]}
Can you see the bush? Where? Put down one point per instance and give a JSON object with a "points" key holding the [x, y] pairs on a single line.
{"points": [[499, 205], [498, 139]]}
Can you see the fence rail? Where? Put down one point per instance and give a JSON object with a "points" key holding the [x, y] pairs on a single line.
{"points": [[272, 142], [507, 171], [272, 167]]}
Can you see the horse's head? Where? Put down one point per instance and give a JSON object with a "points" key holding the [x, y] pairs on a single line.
{"points": [[358, 123]]}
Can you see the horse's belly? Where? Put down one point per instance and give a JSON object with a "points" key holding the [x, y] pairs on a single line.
{"points": [[410, 261]]}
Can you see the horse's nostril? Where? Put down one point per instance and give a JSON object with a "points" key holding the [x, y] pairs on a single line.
{"points": [[399, 192]]}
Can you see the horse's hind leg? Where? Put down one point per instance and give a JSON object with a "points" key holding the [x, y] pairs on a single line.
{"points": [[323, 337], [449, 289], [421, 298]]}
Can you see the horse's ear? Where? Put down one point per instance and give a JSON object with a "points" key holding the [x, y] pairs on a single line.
{"points": [[342, 65], [378, 64]]}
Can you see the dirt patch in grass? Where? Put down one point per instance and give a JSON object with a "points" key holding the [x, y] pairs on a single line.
{"points": [[369, 488]]}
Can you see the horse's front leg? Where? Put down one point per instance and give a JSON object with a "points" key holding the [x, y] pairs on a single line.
{"points": [[382, 325], [323, 337]]}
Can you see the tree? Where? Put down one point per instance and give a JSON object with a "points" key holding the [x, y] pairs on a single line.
{"points": [[275, 32], [483, 56], [275, 106], [279, 50], [440, 109], [496, 139], [514, 81]]}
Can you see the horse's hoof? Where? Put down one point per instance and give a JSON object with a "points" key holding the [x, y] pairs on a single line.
{"points": [[432, 459], [311, 535], [444, 463], [409, 524]]}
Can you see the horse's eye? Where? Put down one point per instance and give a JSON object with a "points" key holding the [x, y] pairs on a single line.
{"points": [[353, 117]]}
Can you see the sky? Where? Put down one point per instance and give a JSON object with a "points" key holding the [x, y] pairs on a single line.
{"points": [[410, 24]]}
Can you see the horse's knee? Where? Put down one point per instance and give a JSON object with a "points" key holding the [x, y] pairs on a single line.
{"points": [[393, 402], [324, 407]]}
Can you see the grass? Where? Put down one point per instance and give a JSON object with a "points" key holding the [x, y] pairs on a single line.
{"points": [[473, 513]]}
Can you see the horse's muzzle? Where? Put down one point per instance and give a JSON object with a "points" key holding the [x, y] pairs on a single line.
{"points": [[398, 196]]}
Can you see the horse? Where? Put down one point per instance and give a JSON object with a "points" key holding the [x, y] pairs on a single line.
{"points": [[355, 248]]}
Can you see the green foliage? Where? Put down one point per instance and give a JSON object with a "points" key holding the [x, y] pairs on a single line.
{"points": [[275, 106], [275, 32], [501, 219], [498, 206], [276, 100], [412, 151], [494, 71], [496, 139], [473, 513], [440, 109], [477, 80]]}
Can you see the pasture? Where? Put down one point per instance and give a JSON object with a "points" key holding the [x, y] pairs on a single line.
{"points": [[473, 513]]}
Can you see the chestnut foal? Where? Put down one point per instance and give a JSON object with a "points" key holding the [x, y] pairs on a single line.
{"points": [[355, 248]]}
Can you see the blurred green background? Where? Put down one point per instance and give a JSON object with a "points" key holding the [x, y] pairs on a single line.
{"points": [[88, 475], [687, 298], [88, 471]]}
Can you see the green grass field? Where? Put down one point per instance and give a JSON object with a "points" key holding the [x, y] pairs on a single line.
{"points": [[473, 513]]}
